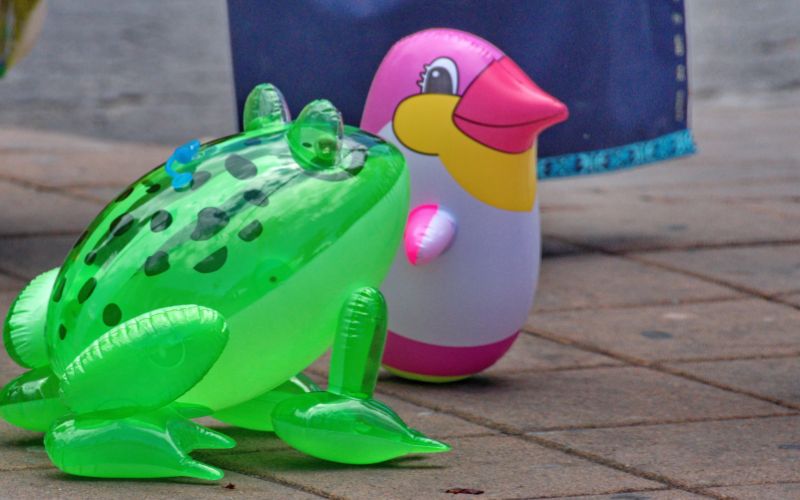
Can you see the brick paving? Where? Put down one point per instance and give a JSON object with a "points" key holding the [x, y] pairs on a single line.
{"points": [[660, 360]]}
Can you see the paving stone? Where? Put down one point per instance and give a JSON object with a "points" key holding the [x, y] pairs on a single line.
{"points": [[51, 483], [599, 281], [555, 248], [766, 269], [108, 165], [20, 449], [793, 298], [641, 495], [630, 221], [735, 328], [533, 353], [26, 212], [783, 491], [593, 397], [776, 378], [758, 450], [9, 282], [31, 256], [101, 194], [502, 467], [787, 207]]}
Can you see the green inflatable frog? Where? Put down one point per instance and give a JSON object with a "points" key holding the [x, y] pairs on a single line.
{"points": [[205, 288]]}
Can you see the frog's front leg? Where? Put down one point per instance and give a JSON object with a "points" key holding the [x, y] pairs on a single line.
{"points": [[119, 388], [345, 424]]}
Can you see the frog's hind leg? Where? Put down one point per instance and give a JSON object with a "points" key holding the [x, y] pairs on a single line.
{"points": [[23, 330], [256, 414], [345, 424], [119, 390], [31, 401]]}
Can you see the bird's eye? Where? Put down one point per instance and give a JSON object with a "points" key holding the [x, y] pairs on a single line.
{"points": [[440, 77]]}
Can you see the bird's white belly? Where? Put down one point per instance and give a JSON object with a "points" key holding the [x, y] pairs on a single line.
{"points": [[481, 289]]}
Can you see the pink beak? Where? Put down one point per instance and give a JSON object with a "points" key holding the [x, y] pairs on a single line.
{"points": [[504, 110]]}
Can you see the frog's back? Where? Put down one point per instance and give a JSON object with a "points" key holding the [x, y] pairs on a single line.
{"points": [[223, 241]]}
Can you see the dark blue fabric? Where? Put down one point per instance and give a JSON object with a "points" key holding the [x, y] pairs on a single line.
{"points": [[619, 65]]}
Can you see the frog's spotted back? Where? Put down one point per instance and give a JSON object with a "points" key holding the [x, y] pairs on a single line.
{"points": [[256, 207]]}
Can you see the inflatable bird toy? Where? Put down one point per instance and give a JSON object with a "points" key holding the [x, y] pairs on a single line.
{"points": [[466, 118]]}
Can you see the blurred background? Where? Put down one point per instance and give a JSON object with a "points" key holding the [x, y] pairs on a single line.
{"points": [[160, 72]]}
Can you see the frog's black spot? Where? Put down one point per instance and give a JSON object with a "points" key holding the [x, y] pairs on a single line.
{"points": [[160, 221], [156, 263], [253, 141], [199, 178], [240, 167], [251, 231], [256, 197], [111, 315], [210, 221], [120, 225], [124, 194], [81, 238], [59, 289], [153, 188], [273, 279], [213, 262], [62, 332], [306, 144], [90, 257], [86, 290]]}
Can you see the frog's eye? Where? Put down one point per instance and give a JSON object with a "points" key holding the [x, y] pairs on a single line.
{"points": [[316, 136], [440, 77], [265, 108]]}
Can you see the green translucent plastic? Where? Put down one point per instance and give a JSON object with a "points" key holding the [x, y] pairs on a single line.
{"points": [[209, 297]]}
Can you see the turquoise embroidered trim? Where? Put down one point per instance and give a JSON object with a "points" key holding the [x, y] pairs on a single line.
{"points": [[667, 146]]}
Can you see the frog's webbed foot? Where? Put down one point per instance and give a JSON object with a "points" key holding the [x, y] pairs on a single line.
{"points": [[255, 414], [155, 444], [345, 424], [119, 388]]}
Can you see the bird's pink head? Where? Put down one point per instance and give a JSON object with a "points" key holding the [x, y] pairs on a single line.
{"points": [[453, 94]]}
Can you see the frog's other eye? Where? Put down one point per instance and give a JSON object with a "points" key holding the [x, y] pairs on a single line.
{"points": [[439, 77], [265, 108], [315, 138]]}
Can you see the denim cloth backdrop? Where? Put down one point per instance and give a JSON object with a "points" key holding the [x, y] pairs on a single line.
{"points": [[619, 65]]}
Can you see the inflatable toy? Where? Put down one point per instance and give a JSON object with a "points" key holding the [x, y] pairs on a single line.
{"points": [[466, 118], [208, 297]]}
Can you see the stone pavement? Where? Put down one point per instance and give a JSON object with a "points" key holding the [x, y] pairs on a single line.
{"points": [[660, 360]]}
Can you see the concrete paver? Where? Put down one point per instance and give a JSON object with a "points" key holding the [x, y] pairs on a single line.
{"points": [[501, 467], [641, 495], [621, 221], [759, 450], [599, 281], [51, 483], [580, 398], [776, 378], [57, 161], [760, 491], [30, 256], [28, 212], [732, 328], [765, 269]]}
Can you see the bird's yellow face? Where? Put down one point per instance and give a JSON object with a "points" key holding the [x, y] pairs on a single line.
{"points": [[486, 139], [424, 124]]}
